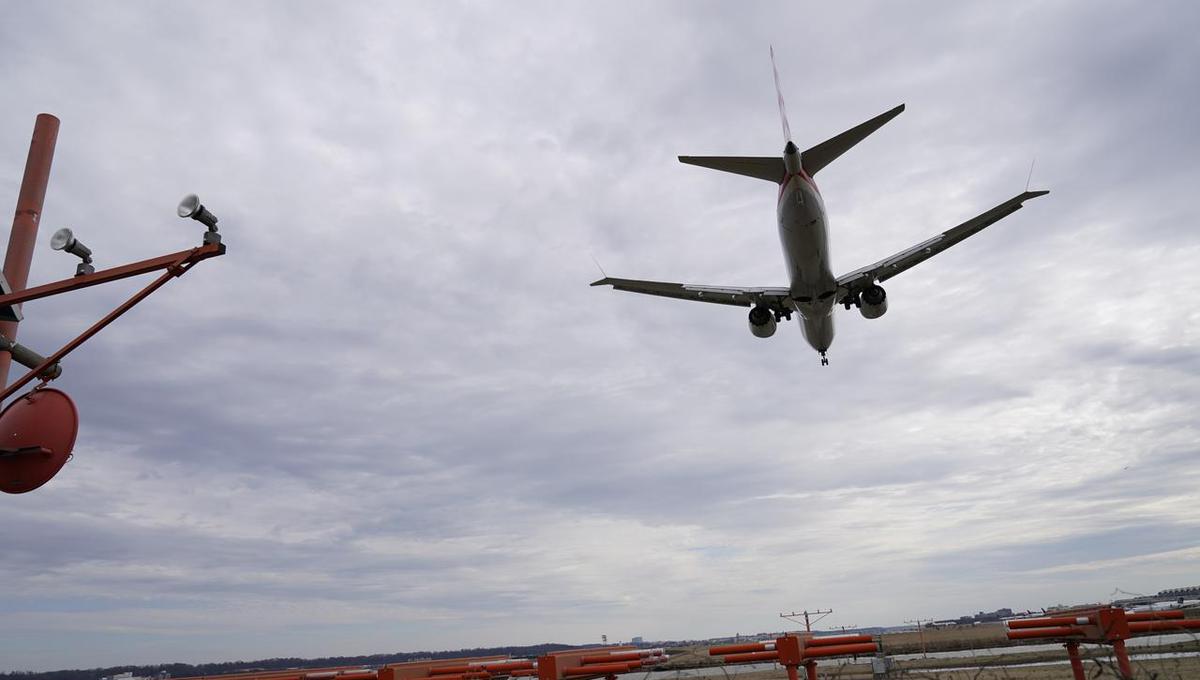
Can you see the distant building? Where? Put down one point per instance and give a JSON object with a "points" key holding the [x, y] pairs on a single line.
{"points": [[637, 640]]}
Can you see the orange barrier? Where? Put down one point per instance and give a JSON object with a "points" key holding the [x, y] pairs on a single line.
{"points": [[1050, 621], [569, 663], [793, 651], [442, 669], [751, 657], [1055, 632], [1104, 625], [841, 650], [1155, 615], [1178, 626]]}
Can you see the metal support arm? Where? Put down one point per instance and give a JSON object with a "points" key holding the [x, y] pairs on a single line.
{"points": [[114, 274], [176, 264]]}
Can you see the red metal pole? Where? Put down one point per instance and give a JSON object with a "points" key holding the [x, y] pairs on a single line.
{"points": [[811, 668], [1122, 659], [25, 223], [1076, 662]]}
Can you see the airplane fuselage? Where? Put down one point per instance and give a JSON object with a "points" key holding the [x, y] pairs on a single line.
{"points": [[804, 235]]}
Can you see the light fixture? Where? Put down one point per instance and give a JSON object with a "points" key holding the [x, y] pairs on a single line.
{"points": [[64, 239], [191, 207]]}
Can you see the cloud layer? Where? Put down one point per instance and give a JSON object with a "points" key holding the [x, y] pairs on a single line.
{"points": [[395, 416]]}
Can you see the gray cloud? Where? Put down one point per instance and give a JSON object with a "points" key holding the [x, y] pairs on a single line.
{"points": [[395, 416]]}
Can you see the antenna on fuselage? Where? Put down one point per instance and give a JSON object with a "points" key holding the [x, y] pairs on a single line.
{"points": [[1029, 179], [787, 129]]}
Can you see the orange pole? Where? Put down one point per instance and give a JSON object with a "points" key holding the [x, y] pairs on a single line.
{"points": [[1061, 631], [840, 650], [811, 669], [1122, 659], [1163, 626], [1051, 621], [1150, 616], [792, 674], [25, 222], [1076, 662]]}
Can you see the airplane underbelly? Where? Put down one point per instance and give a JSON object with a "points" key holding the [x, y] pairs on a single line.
{"points": [[805, 239], [818, 330]]}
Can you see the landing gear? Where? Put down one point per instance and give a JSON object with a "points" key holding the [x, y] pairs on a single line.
{"points": [[824, 359]]}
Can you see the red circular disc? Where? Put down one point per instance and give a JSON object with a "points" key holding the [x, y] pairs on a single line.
{"points": [[37, 433]]}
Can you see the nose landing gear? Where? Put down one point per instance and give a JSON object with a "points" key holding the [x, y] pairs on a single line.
{"points": [[824, 359]]}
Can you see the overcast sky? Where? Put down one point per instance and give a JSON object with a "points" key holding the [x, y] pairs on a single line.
{"points": [[395, 417]]}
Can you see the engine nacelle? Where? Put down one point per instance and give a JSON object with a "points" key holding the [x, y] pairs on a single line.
{"points": [[762, 322], [873, 302]]}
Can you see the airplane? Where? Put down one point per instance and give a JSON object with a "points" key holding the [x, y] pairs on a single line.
{"points": [[813, 291]]}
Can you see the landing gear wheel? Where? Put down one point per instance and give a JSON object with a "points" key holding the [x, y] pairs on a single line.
{"points": [[824, 359]]}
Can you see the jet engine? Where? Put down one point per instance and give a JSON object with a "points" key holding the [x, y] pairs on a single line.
{"points": [[873, 302], [762, 322]]}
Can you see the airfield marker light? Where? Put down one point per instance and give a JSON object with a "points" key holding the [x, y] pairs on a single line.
{"points": [[64, 239], [191, 207]]}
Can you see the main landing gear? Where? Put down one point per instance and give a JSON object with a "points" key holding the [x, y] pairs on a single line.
{"points": [[824, 359]]}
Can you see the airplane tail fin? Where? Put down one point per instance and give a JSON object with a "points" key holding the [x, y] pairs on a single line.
{"points": [[787, 129], [824, 153]]}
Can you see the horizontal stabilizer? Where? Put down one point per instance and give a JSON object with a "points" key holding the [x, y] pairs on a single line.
{"points": [[769, 168], [824, 153]]}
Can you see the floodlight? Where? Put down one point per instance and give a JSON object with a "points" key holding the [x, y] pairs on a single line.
{"points": [[191, 207], [64, 239]]}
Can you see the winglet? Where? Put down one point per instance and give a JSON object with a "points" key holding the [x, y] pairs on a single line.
{"points": [[602, 282]]}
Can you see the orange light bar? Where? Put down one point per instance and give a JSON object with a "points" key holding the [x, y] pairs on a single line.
{"points": [[1051, 621], [722, 650], [839, 650], [1153, 616], [1164, 626], [751, 657], [837, 640], [1060, 631]]}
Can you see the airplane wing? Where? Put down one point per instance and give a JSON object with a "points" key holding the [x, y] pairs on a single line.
{"points": [[721, 295], [850, 285]]}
